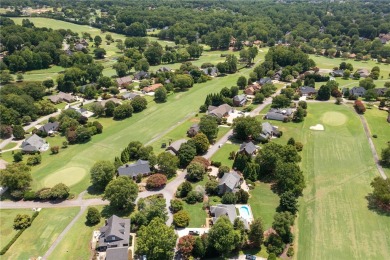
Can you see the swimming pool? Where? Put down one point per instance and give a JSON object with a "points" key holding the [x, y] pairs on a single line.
{"points": [[244, 212]]}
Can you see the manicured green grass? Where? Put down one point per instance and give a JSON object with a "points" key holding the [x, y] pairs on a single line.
{"points": [[76, 243], [7, 231], [334, 221], [222, 155], [263, 203], [222, 130], [377, 122], [37, 239], [197, 214], [9, 146]]}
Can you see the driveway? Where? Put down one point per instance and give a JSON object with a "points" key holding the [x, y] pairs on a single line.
{"points": [[184, 231]]}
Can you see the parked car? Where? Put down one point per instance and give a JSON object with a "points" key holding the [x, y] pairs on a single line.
{"points": [[193, 233], [250, 257]]}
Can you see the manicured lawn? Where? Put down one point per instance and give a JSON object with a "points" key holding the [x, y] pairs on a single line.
{"points": [[9, 146], [334, 221], [263, 203], [222, 130], [197, 214], [7, 231], [37, 239], [222, 155], [76, 243], [377, 121]]}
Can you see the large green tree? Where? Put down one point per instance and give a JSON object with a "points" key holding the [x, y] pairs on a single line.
{"points": [[167, 163], [246, 127], [102, 172], [121, 192], [209, 126], [16, 176], [222, 236]]}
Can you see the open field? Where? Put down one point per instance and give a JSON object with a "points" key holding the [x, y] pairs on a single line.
{"points": [[379, 126], [76, 243], [45, 229], [7, 217], [334, 221]]}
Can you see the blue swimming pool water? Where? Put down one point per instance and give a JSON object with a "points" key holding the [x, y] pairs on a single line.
{"points": [[244, 212]]}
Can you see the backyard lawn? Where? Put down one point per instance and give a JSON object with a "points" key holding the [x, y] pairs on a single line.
{"points": [[222, 155], [197, 214], [7, 217], [37, 239]]}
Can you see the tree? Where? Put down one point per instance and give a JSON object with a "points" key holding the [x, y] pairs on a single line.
{"points": [[154, 53], [367, 83], [18, 132], [176, 205], [18, 157], [156, 240], [324, 93], [59, 191], [299, 115], [93, 216], [259, 98], [241, 161], [5, 77], [183, 81], [211, 187], [102, 172], [186, 245], [97, 109], [19, 77], [359, 107], [121, 192], [385, 156], [167, 163], [139, 103], [97, 40], [123, 111], [246, 127], [121, 69], [187, 152], [141, 65], [195, 171], [251, 171], [55, 149], [256, 232], [282, 225], [241, 196], [22, 221], [289, 178], [184, 189], [274, 245], [346, 74], [229, 198], [208, 125], [381, 192], [181, 219], [288, 202], [241, 82], [222, 236], [156, 181], [160, 95], [201, 143], [109, 108], [99, 53], [26, 120], [5, 130], [281, 101]]}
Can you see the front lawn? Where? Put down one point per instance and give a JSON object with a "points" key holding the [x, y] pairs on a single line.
{"points": [[7, 231], [222, 155], [197, 214]]}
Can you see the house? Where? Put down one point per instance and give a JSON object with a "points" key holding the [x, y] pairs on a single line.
{"points": [[279, 114], [61, 96], [115, 100], [115, 234], [307, 91], [239, 100], [229, 182], [264, 81], [220, 111], [152, 88], [211, 71], [248, 148], [130, 95], [228, 211], [380, 91], [194, 130], [124, 81], [337, 73], [174, 147], [355, 91], [49, 128], [268, 130], [34, 144], [277, 75], [141, 75], [79, 47], [82, 111], [120, 253], [364, 73], [250, 90], [133, 170]]}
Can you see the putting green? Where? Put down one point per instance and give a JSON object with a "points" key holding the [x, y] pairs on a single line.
{"points": [[68, 176], [334, 118]]}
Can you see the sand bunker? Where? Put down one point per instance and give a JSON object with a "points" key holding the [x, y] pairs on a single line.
{"points": [[317, 127]]}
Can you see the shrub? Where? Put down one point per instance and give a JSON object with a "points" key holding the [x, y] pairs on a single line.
{"points": [[212, 188], [22, 221], [54, 149], [34, 159], [64, 144], [181, 219], [229, 198], [156, 181], [184, 189], [298, 146], [59, 191], [93, 216], [176, 205], [193, 197], [374, 136], [222, 170], [29, 195], [290, 252], [359, 107], [17, 194], [18, 157], [216, 164]]}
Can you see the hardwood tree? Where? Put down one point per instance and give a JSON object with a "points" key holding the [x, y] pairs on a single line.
{"points": [[222, 236], [186, 246], [121, 192], [256, 233], [181, 219], [93, 216], [208, 125], [16, 176], [201, 143], [22, 221], [102, 172], [167, 163], [195, 171], [246, 127], [156, 181]]}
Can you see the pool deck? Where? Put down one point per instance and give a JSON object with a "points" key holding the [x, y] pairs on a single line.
{"points": [[250, 218]]}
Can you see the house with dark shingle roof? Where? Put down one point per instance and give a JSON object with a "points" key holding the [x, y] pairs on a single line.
{"points": [[228, 211], [49, 128], [337, 73], [194, 130], [174, 147], [268, 130], [380, 91], [140, 167], [264, 81], [120, 253], [124, 81], [229, 182], [34, 144], [275, 116], [357, 91], [307, 91], [61, 96], [220, 111], [164, 69], [248, 148], [239, 100], [141, 75], [115, 234]]}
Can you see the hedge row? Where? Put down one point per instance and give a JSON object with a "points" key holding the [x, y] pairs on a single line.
{"points": [[13, 240]]}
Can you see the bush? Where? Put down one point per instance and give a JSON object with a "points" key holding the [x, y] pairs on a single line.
{"points": [[193, 197], [242, 196], [290, 252], [29, 195], [222, 170], [22, 221], [212, 188], [93, 216], [298, 146], [359, 107], [181, 219], [64, 144], [54, 149], [216, 164], [34, 159], [156, 181], [18, 157], [176, 205], [17, 194], [195, 171], [374, 136], [184, 189], [229, 198]]}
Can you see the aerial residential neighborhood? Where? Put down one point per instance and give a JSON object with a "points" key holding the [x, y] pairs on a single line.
{"points": [[194, 129]]}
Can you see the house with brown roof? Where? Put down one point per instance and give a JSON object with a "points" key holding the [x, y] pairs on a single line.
{"points": [[124, 81], [364, 73], [220, 111], [152, 88], [61, 96], [115, 100]]}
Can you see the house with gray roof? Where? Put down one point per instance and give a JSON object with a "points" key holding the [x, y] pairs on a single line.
{"points": [[141, 75], [264, 81], [60, 97], [307, 91], [164, 69], [228, 211], [82, 111], [220, 111], [268, 130], [124, 81], [140, 167], [194, 130], [120, 253], [239, 100], [115, 100], [174, 147], [49, 128], [34, 144], [248, 148], [337, 73], [275, 116], [355, 91], [229, 182], [381, 91], [130, 95], [114, 234]]}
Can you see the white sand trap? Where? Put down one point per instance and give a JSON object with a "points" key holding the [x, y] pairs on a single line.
{"points": [[317, 127]]}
